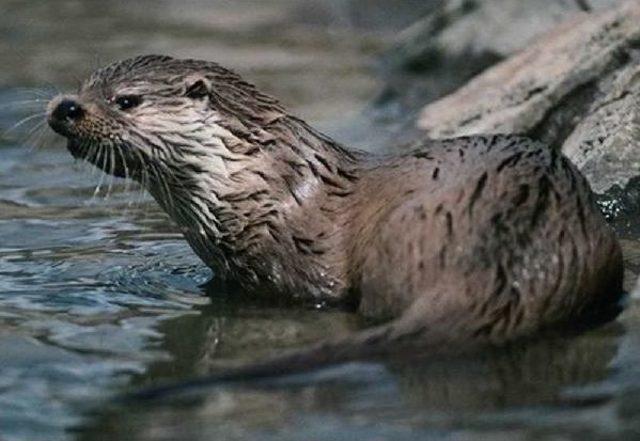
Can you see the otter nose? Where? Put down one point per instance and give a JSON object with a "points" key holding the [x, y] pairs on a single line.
{"points": [[67, 109]]}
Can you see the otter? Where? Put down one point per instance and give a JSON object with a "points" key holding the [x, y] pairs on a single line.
{"points": [[478, 239]]}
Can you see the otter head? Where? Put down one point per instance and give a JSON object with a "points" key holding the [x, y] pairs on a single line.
{"points": [[224, 160], [141, 116]]}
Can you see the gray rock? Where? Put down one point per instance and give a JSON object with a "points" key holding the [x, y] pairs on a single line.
{"points": [[458, 39], [577, 88], [460, 28], [605, 142]]}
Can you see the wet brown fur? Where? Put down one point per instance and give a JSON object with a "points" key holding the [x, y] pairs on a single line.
{"points": [[485, 238]]}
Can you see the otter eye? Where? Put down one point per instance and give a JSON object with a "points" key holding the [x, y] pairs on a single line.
{"points": [[126, 102]]}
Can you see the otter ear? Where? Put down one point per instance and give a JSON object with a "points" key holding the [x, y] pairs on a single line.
{"points": [[197, 87]]}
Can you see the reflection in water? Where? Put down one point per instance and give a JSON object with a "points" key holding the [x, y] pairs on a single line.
{"points": [[488, 393], [231, 332]]}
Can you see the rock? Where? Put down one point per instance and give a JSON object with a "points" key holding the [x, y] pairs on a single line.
{"points": [[577, 88], [458, 39]]}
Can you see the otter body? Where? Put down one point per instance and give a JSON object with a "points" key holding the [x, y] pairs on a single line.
{"points": [[487, 237]]}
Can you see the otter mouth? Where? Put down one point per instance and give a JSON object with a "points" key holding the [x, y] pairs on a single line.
{"points": [[87, 150], [76, 148], [60, 127], [105, 158], [83, 151]]}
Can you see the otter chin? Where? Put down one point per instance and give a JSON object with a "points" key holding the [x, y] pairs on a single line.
{"points": [[475, 239]]}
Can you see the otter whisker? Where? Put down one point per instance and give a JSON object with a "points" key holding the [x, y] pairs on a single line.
{"points": [[23, 122], [36, 135], [103, 169], [33, 129], [112, 171], [144, 174], [34, 91], [89, 149], [24, 104], [141, 191], [52, 90], [92, 156], [121, 157], [101, 160]]}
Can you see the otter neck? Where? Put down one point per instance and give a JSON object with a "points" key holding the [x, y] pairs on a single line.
{"points": [[280, 186]]}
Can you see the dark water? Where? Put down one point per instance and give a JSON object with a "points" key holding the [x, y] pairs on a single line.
{"points": [[99, 295]]}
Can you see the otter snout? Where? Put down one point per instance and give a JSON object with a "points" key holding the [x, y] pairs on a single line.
{"points": [[67, 109], [63, 112]]}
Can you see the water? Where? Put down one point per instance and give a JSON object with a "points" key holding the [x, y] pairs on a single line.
{"points": [[99, 295]]}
